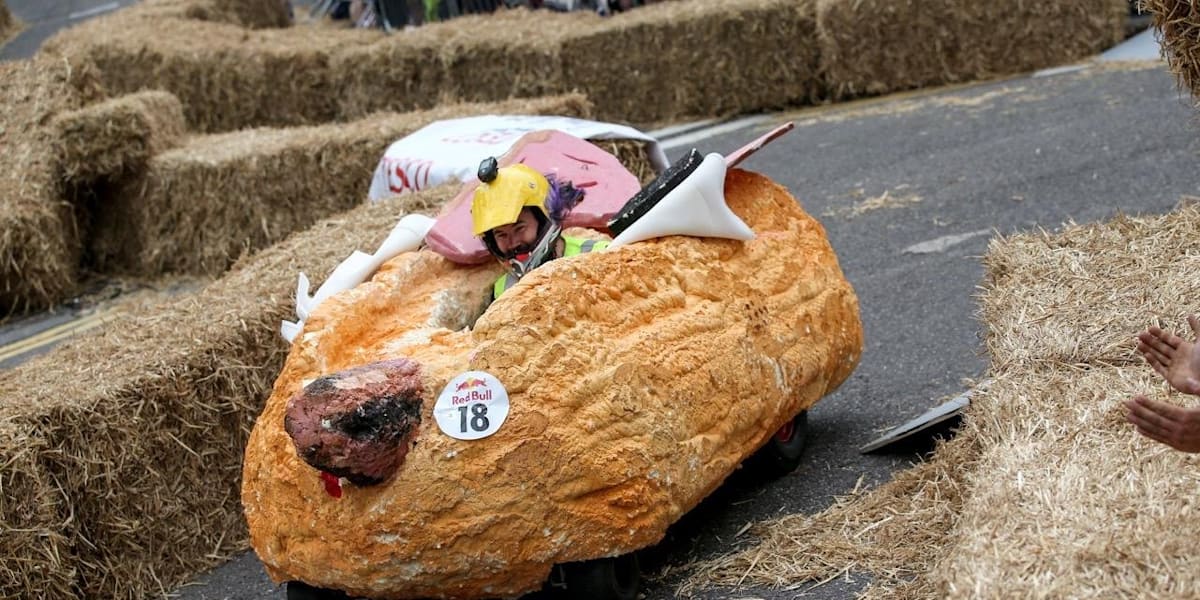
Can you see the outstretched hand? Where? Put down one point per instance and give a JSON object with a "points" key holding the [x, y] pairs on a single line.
{"points": [[1172, 425], [1176, 359]]}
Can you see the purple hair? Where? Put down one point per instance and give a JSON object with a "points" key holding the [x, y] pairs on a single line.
{"points": [[562, 198]]}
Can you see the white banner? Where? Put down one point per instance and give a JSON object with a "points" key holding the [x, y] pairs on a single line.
{"points": [[451, 150]]}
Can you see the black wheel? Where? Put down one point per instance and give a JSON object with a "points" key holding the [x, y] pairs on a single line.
{"points": [[649, 196], [604, 578], [298, 590], [782, 453]]}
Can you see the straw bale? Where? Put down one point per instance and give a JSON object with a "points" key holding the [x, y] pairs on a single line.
{"points": [[396, 73], [1178, 22], [117, 137], [143, 422], [881, 46], [1080, 295], [255, 14], [701, 58], [1067, 501], [506, 54], [36, 553], [200, 206], [475, 58], [227, 77], [1046, 491], [39, 242]]}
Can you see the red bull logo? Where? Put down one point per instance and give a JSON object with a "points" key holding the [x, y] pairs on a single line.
{"points": [[470, 382]]}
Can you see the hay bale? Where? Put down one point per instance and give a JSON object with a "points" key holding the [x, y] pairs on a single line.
{"points": [[227, 77], [143, 423], [1046, 491], [37, 558], [39, 241], [1066, 500], [117, 137], [200, 206], [255, 14], [1178, 22], [881, 46], [476, 58], [393, 74], [1080, 295], [702, 58]]}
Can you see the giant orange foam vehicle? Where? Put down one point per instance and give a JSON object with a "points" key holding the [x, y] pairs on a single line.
{"points": [[638, 379]]}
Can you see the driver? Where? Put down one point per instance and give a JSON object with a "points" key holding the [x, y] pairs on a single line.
{"points": [[518, 213]]}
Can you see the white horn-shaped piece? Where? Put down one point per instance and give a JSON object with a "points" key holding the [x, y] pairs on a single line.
{"points": [[696, 207], [406, 236]]}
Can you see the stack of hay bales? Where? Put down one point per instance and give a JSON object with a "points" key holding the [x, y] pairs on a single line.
{"points": [[197, 208], [39, 242], [1179, 24], [1046, 491], [135, 434], [666, 62], [116, 138], [477, 58], [227, 76], [678, 60], [881, 46]]}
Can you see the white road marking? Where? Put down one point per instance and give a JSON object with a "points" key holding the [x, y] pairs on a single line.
{"points": [[708, 132], [943, 243], [1060, 70], [91, 12]]}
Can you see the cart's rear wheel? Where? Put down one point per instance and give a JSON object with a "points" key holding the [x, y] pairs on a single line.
{"points": [[604, 579], [782, 453], [298, 590]]}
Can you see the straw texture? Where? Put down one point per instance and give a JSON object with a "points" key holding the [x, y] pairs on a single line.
{"points": [[701, 58], [117, 137], [1178, 24], [1080, 295], [137, 431], [881, 46], [1045, 491], [227, 76], [36, 549], [664, 62], [39, 242]]}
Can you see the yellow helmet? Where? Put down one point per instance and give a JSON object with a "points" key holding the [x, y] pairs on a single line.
{"points": [[502, 193]]}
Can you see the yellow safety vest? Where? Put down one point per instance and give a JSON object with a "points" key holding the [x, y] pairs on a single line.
{"points": [[571, 247]]}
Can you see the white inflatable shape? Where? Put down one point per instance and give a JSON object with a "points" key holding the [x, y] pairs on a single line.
{"points": [[696, 207], [406, 236]]}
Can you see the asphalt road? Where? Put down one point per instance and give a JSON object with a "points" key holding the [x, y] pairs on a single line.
{"points": [[958, 166], [44, 17]]}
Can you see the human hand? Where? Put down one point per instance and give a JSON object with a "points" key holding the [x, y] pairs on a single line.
{"points": [[1176, 359], [1172, 425]]}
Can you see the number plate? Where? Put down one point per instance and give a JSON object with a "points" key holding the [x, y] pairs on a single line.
{"points": [[472, 406]]}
